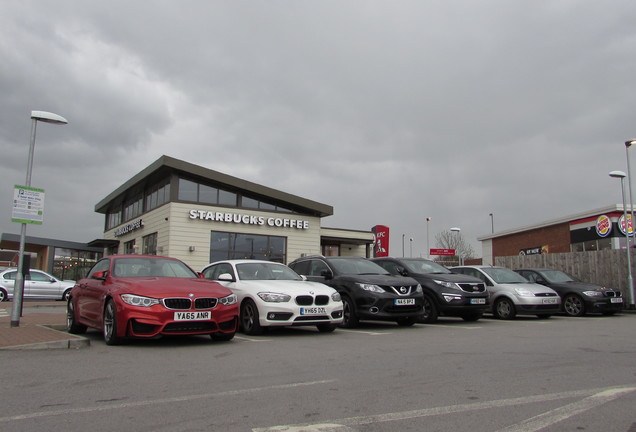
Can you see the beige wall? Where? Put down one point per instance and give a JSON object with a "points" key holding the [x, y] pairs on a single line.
{"points": [[179, 232]]}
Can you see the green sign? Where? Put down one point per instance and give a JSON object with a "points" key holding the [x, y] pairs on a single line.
{"points": [[28, 205]]}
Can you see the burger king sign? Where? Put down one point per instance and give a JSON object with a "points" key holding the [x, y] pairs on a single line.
{"points": [[603, 226]]}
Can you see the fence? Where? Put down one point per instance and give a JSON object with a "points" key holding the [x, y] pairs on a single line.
{"points": [[606, 267]]}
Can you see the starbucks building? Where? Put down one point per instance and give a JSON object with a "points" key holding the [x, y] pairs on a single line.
{"points": [[178, 209]]}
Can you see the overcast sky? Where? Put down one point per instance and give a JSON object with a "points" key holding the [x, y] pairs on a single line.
{"points": [[390, 111]]}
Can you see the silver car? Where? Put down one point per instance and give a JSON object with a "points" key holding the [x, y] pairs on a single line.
{"points": [[511, 294], [37, 285]]}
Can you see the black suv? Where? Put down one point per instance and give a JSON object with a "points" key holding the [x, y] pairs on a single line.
{"points": [[445, 293], [368, 291], [577, 298]]}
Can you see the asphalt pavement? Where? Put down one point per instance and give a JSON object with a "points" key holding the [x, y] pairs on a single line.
{"points": [[42, 326]]}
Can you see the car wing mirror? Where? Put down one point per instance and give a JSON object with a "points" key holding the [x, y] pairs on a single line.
{"points": [[402, 271], [226, 277], [326, 274], [100, 275]]}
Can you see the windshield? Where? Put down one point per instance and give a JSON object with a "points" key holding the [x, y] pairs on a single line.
{"points": [[558, 276], [504, 275], [359, 266], [424, 266], [151, 267], [265, 271]]}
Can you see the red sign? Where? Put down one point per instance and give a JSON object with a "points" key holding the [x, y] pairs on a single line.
{"points": [[380, 241], [442, 252]]}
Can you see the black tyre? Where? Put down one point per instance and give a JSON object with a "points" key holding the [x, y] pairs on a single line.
{"points": [[222, 337], [406, 322], [350, 317], [471, 317], [250, 323], [573, 305], [110, 324], [504, 309], [66, 295], [72, 326], [3, 295], [430, 313], [326, 328]]}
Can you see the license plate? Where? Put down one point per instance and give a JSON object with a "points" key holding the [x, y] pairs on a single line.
{"points": [[404, 302], [313, 311], [550, 301], [193, 316], [477, 301], [616, 300]]}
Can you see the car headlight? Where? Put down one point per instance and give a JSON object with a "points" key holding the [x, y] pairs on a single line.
{"points": [[524, 292], [228, 300], [593, 293], [418, 289], [135, 300], [371, 288], [450, 297], [336, 297], [274, 297], [445, 284]]}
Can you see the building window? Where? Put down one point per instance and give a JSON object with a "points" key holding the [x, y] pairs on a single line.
{"points": [[157, 196], [113, 219], [331, 250], [150, 244], [73, 264], [192, 191], [129, 247], [133, 208], [224, 245]]}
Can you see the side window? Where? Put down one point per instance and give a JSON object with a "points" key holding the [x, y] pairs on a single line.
{"points": [[317, 267], [214, 272], [302, 268], [100, 266], [39, 277], [530, 276], [10, 275]]}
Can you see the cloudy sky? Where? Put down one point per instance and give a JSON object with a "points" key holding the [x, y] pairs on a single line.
{"points": [[390, 111]]}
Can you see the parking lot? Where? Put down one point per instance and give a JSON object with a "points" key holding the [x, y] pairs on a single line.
{"points": [[523, 375]]}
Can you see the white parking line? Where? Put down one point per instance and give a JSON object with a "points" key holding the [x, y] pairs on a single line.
{"points": [[151, 402], [245, 338], [593, 397], [363, 332]]}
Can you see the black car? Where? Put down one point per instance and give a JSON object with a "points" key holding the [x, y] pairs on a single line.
{"points": [[578, 298], [368, 291], [445, 292]]}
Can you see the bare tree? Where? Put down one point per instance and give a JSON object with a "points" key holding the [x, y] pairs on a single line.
{"points": [[455, 240]]}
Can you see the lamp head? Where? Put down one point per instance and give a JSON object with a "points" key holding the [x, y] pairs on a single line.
{"points": [[456, 229], [617, 174], [48, 117], [629, 143]]}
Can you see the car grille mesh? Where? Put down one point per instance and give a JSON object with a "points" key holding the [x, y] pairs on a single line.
{"points": [[403, 290], [545, 294], [472, 287], [613, 293], [179, 303], [307, 300]]}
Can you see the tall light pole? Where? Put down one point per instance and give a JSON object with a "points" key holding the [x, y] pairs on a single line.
{"points": [[457, 230], [428, 249], [630, 281], [492, 223], [402, 245], [628, 144], [411, 245], [18, 289]]}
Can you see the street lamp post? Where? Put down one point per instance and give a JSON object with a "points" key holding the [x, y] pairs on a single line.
{"points": [[411, 247], [403, 245], [428, 249], [457, 230], [628, 144], [18, 289], [630, 282], [492, 223]]}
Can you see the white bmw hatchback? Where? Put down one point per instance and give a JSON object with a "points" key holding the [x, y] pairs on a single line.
{"points": [[271, 294]]}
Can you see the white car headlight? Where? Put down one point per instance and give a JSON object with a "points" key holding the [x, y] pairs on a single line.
{"points": [[446, 284], [593, 293], [524, 292], [274, 297], [135, 300], [336, 297], [228, 300], [371, 288]]}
